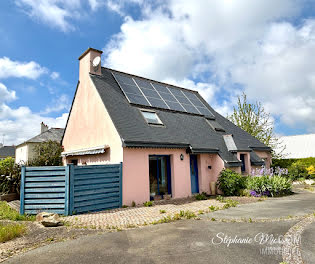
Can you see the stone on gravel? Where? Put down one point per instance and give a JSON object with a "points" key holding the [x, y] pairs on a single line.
{"points": [[48, 219]]}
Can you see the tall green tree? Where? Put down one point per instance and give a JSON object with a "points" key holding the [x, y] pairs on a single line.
{"points": [[254, 119], [47, 154]]}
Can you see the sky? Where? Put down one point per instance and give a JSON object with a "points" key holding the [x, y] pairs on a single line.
{"points": [[220, 48]]}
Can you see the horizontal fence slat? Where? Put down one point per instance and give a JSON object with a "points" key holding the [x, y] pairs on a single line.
{"points": [[44, 201], [44, 184], [44, 195], [98, 207], [95, 181], [44, 206], [95, 191], [95, 196], [44, 179], [96, 175], [45, 173], [106, 166], [46, 168], [33, 212], [45, 190], [92, 186], [96, 170]]}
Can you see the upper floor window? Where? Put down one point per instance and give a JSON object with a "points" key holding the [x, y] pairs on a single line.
{"points": [[151, 117]]}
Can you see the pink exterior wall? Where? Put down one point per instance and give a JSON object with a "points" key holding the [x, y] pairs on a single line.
{"points": [[136, 185], [207, 175], [89, 124], [266, 156], [248, 166]]}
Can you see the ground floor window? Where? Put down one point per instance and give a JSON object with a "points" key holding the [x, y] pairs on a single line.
{"points": [[243, 167], [160, 175]]}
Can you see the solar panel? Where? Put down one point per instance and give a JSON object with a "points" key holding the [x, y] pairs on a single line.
{"points": [[157, 103], [144, 92]]}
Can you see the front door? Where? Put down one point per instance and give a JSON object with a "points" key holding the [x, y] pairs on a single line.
{"points": [[194, 174]]}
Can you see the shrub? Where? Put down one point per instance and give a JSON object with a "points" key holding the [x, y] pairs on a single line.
{"points": [[269, 185], [10, 176], [201, 196], [47, 154], [231, 183], [297, 170]]}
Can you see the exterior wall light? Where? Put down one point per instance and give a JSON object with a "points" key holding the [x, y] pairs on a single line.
{"points": [[181, 157]]}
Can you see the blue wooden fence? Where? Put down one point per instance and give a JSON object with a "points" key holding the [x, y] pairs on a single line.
{"points": [[43, 189], [71, 189]]}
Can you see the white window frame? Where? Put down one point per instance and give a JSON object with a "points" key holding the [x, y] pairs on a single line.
{"points": [[160, 123]]}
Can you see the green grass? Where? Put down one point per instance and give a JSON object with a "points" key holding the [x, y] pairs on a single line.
{"points": [[201, 196], [10, 231], [162, 211], [148, 204], [6, 212]]}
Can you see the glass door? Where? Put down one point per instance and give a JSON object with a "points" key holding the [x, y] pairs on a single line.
{"points": [[160, 176]]}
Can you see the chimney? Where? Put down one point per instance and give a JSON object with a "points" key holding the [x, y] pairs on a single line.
{"points": [[89, 63], [43, 127]]}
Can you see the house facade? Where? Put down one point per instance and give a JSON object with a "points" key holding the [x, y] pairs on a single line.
{"points": [[25, 151], [170, 141]]}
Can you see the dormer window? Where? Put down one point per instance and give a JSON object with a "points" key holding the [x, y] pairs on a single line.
{"points": [[151, 117]]}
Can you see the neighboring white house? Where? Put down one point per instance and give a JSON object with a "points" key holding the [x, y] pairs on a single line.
{"points": [[25, 151], [300, 146]]}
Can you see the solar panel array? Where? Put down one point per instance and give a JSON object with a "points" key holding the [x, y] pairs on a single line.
{"points": [[143, 92]]}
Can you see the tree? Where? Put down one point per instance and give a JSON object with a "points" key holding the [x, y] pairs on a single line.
{"points": [[257, 122], [47, 154]]}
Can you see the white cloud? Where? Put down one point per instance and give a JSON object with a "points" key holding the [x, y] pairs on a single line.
{"points": [[60, 14], [234, 45], [58, 104], [5, 94], [31, 70], [20, 124], [54, 75]]}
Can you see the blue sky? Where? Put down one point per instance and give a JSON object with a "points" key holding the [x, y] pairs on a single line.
{"points": [[220, 48]]}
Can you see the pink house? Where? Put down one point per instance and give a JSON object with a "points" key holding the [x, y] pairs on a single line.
{"points": [[170, 141]]}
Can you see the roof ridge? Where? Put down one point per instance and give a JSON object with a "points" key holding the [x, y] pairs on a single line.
{"points": [[148, 79]]}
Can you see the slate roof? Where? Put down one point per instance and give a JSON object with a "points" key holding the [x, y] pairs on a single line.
{"points": [[7, 151], [54, 134], [180, 130]]}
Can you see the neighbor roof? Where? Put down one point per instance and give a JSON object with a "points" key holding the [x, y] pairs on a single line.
{"points": [[180, 130], [7, 151], [297, 147], [54, 134]]}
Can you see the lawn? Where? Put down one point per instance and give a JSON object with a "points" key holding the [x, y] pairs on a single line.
{"points": [[7, 213], [10, 231]]}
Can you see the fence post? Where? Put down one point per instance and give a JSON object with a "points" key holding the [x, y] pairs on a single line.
{"points": [[67, 191], [71, 189], [120, 184], [22, 187]]}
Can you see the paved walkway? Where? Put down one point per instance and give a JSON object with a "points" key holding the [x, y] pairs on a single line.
{"points": [[296, 205], [138, 216]]}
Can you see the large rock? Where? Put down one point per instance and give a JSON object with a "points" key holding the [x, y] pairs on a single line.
{"points": [[48, 219]]}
